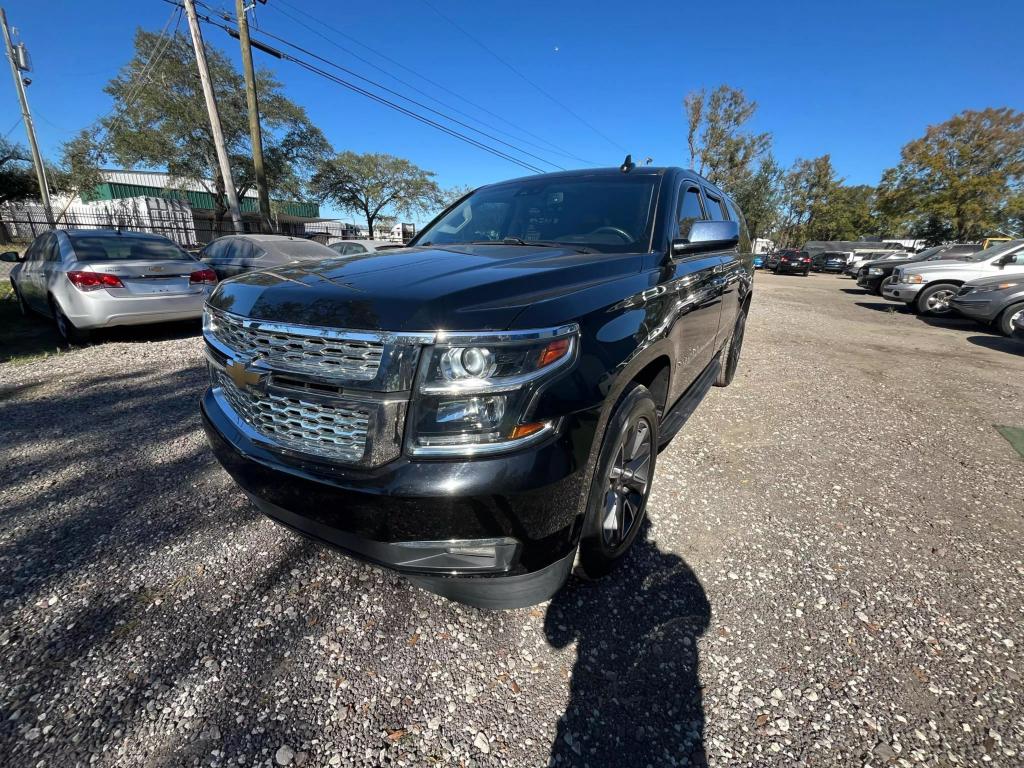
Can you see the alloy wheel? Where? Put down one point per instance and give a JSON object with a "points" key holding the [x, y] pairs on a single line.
{"points": [[938, 302], [627, 484]]}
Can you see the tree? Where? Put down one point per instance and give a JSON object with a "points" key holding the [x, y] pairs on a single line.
{"points": [[962, 180], [161, 122], [375, 184], [758, 196], [720, 146], [808, 191], [17, 178]]}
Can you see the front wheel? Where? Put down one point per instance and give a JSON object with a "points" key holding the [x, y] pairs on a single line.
{"points": [[934, 299], [622, 483], [1013, 314]]}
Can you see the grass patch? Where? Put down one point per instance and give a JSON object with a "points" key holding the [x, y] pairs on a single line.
{"points": [[23, 339], [1014, 436]]}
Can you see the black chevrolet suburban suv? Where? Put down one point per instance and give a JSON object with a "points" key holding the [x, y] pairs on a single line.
{"points": [[485, 407]]}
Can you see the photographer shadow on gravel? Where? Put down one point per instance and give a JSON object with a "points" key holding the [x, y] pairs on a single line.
{"points": [[635, 697]]}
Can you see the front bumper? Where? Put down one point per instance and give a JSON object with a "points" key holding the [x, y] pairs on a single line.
{"points": [[870, 282], [98, 309], [901, 292], [494, 532], [977, 309]]}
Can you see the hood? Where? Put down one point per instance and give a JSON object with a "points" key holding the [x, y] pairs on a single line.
{"points": [[457, 288], [988, 282], [943, 265], [887, 263]]}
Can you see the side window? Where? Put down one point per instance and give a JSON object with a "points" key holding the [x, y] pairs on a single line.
{"points": [[690, 210], [716, 208], [745, 244], [32, 253], [1016, 260], [356, 248], [52, 252], [214, 251]]}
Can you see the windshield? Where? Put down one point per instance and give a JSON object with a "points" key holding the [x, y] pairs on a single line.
{"points": [[988, 253], [102, 247], [303, 249], [611, 214]]}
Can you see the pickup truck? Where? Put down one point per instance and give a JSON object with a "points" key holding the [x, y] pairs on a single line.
{"points": [[929, 288], [484, 409]]}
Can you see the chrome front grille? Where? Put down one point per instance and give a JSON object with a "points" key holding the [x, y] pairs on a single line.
{"points": [[334, 429], [299, 350]]}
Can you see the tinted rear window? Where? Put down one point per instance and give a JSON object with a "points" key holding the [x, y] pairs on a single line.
{"points": [[124, 247]]}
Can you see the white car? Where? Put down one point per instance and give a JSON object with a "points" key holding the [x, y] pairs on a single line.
{"points": [[928, 287], [353, 247]]}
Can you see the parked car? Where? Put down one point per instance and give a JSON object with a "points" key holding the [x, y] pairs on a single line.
{"points": [[477, 409], [928, 288], [830, 261], [233, 255], [861, 258], [873, 274], [354, 247], [97, 278], [758, 260], [772, 259], [792, 262], [997, 301]]}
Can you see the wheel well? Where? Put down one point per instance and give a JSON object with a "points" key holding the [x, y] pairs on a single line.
{"points": [[655, 376]]}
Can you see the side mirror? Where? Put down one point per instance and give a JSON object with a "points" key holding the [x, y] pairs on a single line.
{"points": [[707, 236], [12, 257]]}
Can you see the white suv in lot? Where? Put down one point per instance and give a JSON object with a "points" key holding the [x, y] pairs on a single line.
{"points": [[927, 287]]}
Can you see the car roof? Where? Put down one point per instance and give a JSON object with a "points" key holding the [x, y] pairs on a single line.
{"points": [[638, 170], [111, 233]]}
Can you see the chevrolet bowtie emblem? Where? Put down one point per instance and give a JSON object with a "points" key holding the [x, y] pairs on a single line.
{"points": [[244, 376]]}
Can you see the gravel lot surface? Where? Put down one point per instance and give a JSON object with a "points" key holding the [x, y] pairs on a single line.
{"points": [[833, 575]]}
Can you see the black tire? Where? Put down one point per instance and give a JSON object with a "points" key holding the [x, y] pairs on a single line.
{"points": [[1005, 320], [621, 505], [807, 272], [729, 356], [933, 300], [66, 330]]}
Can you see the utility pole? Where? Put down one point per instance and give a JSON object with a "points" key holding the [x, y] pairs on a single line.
{"points": [[26, 116], [252, 100], [211, 107]]}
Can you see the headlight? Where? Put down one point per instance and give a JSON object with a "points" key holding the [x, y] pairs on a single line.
{"points": [[911, 279], [475, 392], [875, 270], [991, 288]]}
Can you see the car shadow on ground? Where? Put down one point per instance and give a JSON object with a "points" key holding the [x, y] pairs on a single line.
{"points": [[884, 306], [856, 291], [1011, 346], [635, 697]]}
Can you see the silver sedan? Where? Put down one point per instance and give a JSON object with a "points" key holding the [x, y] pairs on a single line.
{"points": [[97, 278]]}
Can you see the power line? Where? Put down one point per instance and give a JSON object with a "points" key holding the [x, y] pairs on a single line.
{"points": [[525, 78], [549, 145], [419, 104], [11, 129], [379, 99]]}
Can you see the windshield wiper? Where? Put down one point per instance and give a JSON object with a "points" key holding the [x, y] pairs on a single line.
{"points": [[538, 243]]}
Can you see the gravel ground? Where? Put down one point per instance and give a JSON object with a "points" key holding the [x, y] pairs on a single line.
{"points": [[832, 575]]}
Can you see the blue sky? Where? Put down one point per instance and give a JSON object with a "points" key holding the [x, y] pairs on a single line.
{"points": [[856, 80]]}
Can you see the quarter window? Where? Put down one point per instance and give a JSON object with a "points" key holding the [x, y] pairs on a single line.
{"points": [[716, 209]]}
